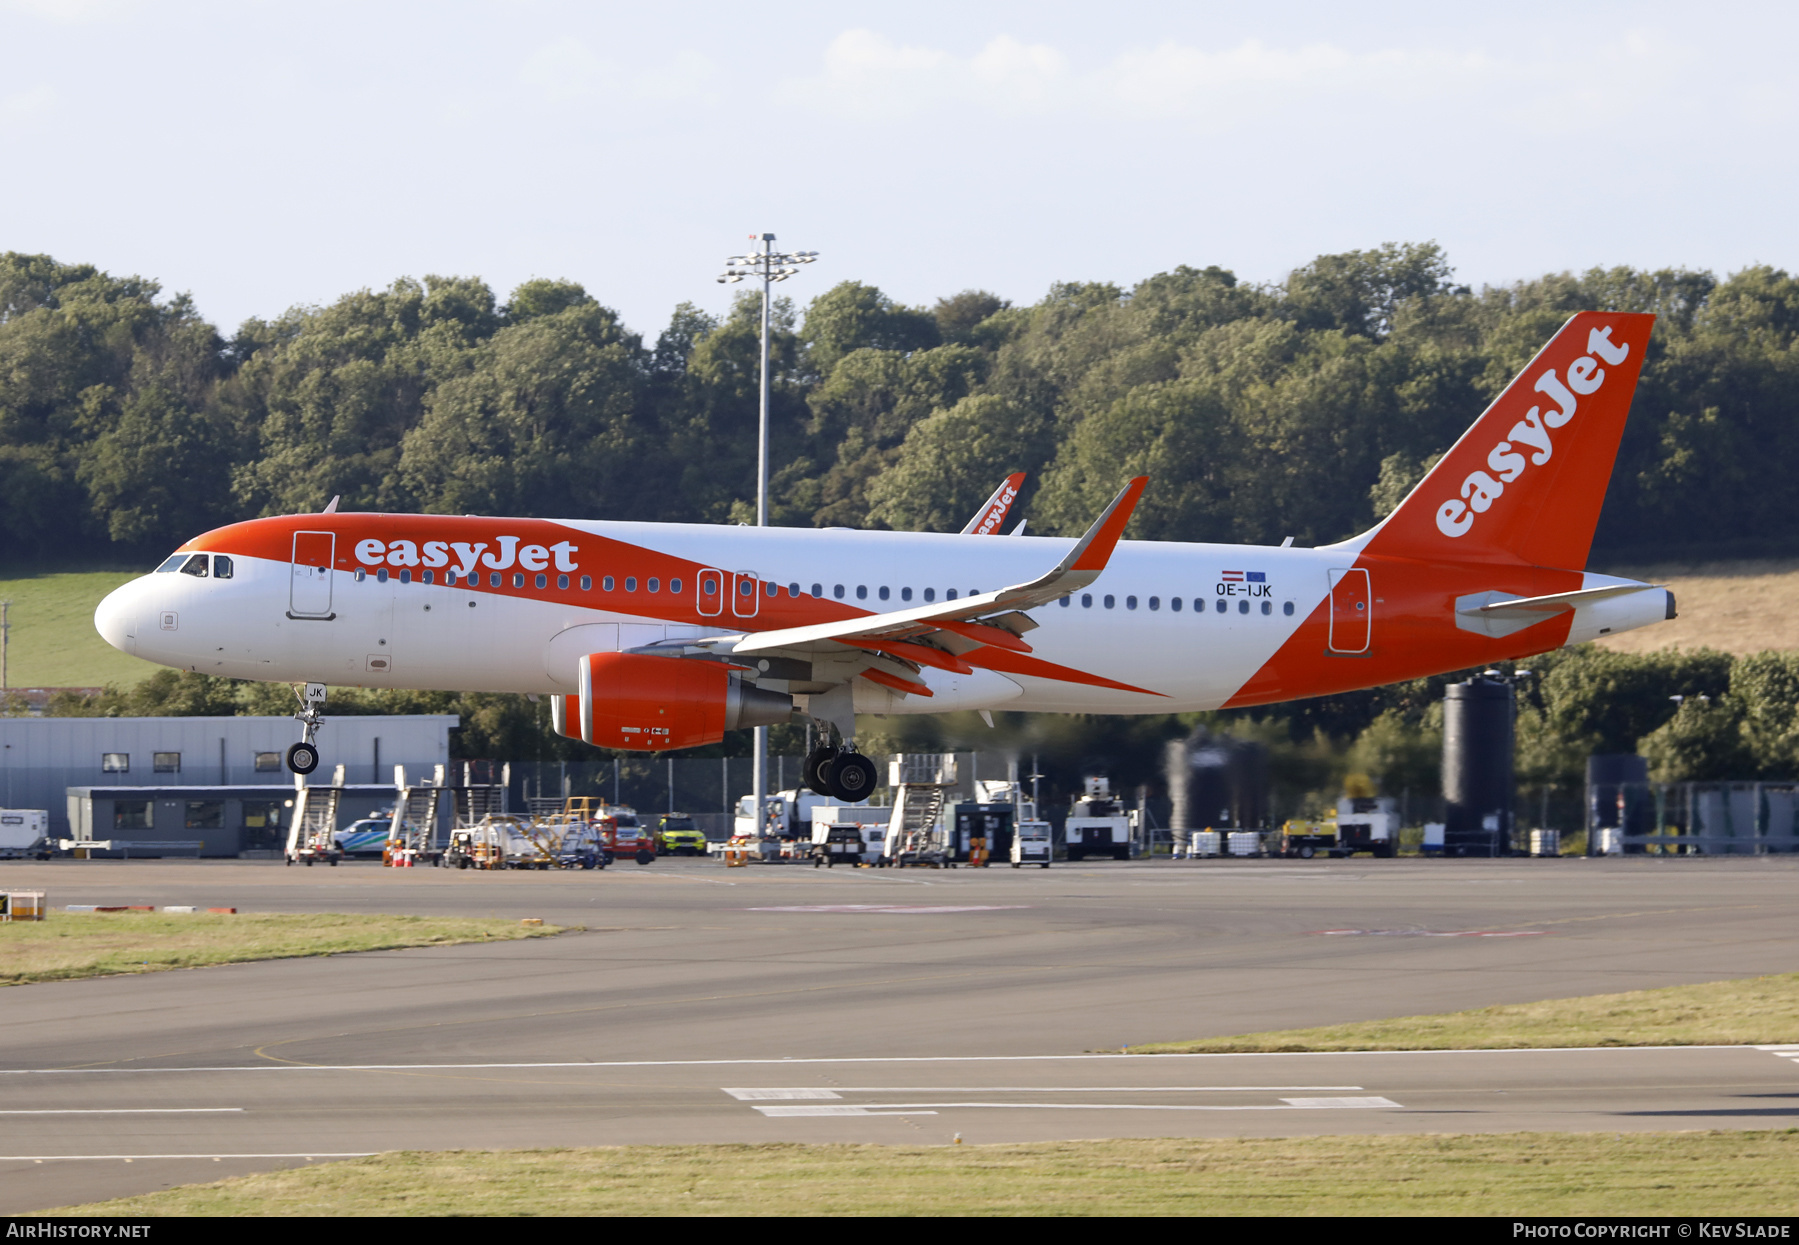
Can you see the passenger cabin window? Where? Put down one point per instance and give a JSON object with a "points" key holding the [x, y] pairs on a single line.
{"points": [[1287, 608], [837, 591], [1130, 603], [196, 566], [425, 577], [861, 592], [495, 579], [518, 579], [1243, 607], [606, 583], [818, 590], [631, 583], [221, 566], [1174, 603], [406, 577], [905, 594], [674, 585], [793, 590], [1155, 603], [1086, 600], [115, 762], [562, 583], [884, 592], [653, 584], [1110, 600], [543, 581], [587, 583], [1268, 607], [166, 762], [1223, 606], [930, 594], [381, 575]]}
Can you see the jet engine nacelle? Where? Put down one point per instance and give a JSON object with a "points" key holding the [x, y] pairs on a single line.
{"points": [[652, 704]]}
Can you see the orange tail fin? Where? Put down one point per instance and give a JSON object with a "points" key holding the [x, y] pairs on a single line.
{"points": [[1525, 483]]}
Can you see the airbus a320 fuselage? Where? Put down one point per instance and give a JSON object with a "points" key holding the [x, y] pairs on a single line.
{"points": [[659, 636]]}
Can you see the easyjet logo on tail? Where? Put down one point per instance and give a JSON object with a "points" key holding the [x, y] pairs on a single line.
{"points": [[1529, 442]]}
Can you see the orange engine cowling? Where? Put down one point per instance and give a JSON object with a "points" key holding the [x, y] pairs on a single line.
{"points": [[651, 704]]}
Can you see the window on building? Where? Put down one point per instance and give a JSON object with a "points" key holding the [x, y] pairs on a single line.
{"points": [[115, 762], [268, 762], [262, 825], [131, 814], [205, 814], [166, 762]]}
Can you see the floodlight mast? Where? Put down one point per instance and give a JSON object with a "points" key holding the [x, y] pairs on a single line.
{"points": [[770, 266]]}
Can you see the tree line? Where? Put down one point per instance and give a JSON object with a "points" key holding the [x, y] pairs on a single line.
{"points": [[1305, 408]]}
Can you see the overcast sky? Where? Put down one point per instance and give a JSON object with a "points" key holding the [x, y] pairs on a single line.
{"points": [[262, 155]]}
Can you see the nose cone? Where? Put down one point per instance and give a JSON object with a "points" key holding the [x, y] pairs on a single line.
{"points": [[116, 619]]}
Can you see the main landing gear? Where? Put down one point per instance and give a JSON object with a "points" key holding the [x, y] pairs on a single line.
{"points": [[303, 757], [840, 773]]}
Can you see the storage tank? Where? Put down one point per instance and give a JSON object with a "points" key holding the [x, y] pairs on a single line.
{"points": [[1478, 785]]}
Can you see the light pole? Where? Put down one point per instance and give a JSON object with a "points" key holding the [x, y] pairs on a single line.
{"points": [[767, 265]]}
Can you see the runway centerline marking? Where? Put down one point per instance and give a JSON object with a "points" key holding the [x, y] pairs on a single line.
{"points": [[877, 909], [774, 1092], [127, 1111]]}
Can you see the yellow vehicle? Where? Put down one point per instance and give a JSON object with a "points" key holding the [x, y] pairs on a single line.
{"points": [[676, 835]]}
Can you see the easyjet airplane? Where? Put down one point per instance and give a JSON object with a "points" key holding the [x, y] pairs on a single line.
{"points": [[662, 636]]}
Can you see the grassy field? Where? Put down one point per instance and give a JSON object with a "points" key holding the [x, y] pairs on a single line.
{"points": [[1757, 1011], [66, 945], [1735, 607], [52, 641], [1718, 1173]]}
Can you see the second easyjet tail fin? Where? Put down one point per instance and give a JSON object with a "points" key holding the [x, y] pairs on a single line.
{"points": [[1525, 483]]}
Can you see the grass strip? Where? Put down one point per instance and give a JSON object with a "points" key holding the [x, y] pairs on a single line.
{"points": [[66, 945], [1752, 1011], [1691, 1173]]}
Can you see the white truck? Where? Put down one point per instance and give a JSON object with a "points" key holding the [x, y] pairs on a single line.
{"points": [[1098, 825], [23, 834]]}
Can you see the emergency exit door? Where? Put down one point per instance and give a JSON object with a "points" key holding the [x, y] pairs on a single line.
{"points": [[309, 587], [1352, 609]]}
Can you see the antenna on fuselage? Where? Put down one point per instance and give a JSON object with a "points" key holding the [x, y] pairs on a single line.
{"points": [[331, 507]]}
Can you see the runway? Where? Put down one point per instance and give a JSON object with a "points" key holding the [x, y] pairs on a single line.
{"points": [[791, 1004]]}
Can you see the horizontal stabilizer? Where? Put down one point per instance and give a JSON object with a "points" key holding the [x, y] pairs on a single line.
{"points": [[1500, 614]]}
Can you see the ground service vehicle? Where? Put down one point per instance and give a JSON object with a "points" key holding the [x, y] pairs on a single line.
{"points": [[1031, 844], [1098, 825], [678, 836], [653, 637], [23, 834], [841, 845]]}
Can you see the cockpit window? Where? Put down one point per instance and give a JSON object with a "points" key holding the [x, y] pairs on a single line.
{"points": [[221, 566], [173, 564], [196, 566]]}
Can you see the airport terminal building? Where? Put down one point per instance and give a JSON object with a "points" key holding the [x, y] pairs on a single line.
{"points": [[222, 780]]}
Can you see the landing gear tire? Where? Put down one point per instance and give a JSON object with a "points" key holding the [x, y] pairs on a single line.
{"points": [[851, 777], [303, 758], [814, 775]]}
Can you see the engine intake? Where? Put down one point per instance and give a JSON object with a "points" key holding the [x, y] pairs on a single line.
{"points": [[653, 704]]}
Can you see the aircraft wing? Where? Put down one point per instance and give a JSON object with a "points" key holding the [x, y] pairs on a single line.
{"points": [[987, 519], [1080, 567]]}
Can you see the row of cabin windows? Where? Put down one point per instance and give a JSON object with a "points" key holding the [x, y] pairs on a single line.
{"points": [[1219, 605], [170, 762], [746, 587]]}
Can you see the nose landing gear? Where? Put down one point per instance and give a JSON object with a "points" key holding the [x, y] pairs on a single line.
{"points": [[303, 757]]}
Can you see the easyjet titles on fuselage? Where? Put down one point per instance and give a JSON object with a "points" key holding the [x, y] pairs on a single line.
{"points": [[468, 555]]}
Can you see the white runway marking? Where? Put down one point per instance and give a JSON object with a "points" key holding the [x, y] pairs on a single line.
{"points": [[77, 1158], [801, 1061], [877, 909], [747, 1095], [790, 1112], [920, 1108], [126, 1111]]}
